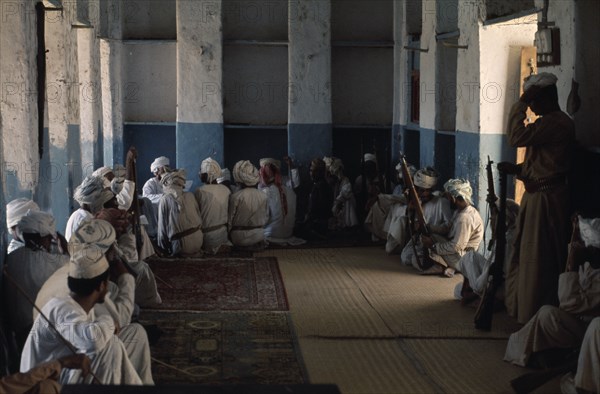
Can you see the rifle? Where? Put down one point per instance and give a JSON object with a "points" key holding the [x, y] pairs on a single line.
{"points": [[412, 194], [485, 310], [491, 200], [135, 206]]}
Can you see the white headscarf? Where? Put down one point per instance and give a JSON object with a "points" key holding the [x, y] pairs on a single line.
{"points": [[268, 160], [225, 175], [175, 178], [370, 157], [336, 167], [328, 160], [459, 188], [158, 163], [89, 190], [105, 196], [590, 231], [426, 178], [37, 222], [17, 208], [87, 262], [244, 172], [411, 170], [101, 173], [211, 168], [542, 80]]}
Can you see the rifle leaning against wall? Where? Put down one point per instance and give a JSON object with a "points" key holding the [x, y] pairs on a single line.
{"points": [[485, 311], [413, 196], [491, 200], [135, 205]]}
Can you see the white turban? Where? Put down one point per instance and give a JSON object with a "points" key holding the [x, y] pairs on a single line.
{"points": [[158, 163], [268, 160], [336, 167], [173, 178], [411, 170], [459, 188], [16, 209], [211, 168], [37, 222], [102, 172], [225, 175], [89, 190], [94, 231], [245, 172], [105, 196], [426, 178], [87, 262], [590, 231], [328, 160], [542, 80], [370, 157]]}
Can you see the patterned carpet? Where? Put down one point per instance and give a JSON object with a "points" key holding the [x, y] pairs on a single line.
{"points": [[249, 284], [225, 348]]}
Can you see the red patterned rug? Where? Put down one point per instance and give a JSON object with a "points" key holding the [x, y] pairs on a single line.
{"points": [[248, 284]]}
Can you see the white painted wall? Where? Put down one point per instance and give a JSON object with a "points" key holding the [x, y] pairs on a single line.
{"points": [[500, 58], [401, 81], [428, 66], [149, 81]]}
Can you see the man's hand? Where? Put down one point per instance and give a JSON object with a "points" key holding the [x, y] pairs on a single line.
{"points": [[76, 361], [577, 255]]}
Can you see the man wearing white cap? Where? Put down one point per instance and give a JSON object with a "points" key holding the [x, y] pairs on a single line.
{"points": [[119, 351], [179, 219], [436, 211], [542, 226], [465, 232], [213, 201], [15, 210], [153, 189], [248, 211], [30, 266], [553, 332], [281, 202], [92, 197]]}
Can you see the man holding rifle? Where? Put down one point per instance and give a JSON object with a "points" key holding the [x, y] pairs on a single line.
{"points": [[465, 232]]}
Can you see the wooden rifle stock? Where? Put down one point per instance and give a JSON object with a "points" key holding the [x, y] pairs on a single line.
{"points": [[135, 206], [491, 199], [485, 311], [413, 196]]}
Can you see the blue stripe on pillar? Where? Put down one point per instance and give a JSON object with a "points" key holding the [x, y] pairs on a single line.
{"points": [[195, 142], [427, 147]]}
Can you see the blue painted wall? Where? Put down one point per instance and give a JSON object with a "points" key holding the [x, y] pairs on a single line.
{"points": [[195, 142], [150, 141], [254, 144], [427, 148], [307, 141]]}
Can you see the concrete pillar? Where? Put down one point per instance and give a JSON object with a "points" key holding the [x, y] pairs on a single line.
{"points": [[18, 104], [199, 129], [401, 82], [61, 164], [309, 128], [112, 100], [88, 57], [428, 89]]}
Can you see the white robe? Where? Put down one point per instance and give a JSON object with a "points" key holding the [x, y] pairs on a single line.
{"points": [[387, 209], [344, 205], [280, 228], [565, 326], [14, 245], [437, 212], [75, 221], [30, 269], [248, 214], [153, 191], [213, 201], [125, 196], [175, 216], [122, 359]]}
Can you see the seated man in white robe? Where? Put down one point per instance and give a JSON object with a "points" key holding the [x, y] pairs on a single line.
{"points": [[153, 189], [115, 181], [475, 267], [248, 211], [213, 201], [119, 350], [344, 202], [179, 220], [281, 203], [92, 197], [402, 232], [30, 266], [146, 292], [553, 332], [15, 210], [388, 209], [465, 232]]}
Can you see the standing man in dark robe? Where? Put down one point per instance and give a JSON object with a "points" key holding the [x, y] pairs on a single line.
{"points": [[543, 222]]}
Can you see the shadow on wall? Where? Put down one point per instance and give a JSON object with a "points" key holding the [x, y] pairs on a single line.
{"points": [[585, 182]]}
